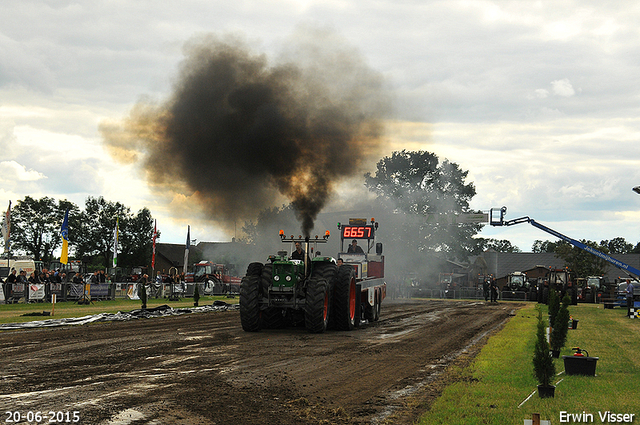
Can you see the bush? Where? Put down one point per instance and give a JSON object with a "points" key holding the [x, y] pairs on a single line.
{"points": [[543, 367], [561, 325]]}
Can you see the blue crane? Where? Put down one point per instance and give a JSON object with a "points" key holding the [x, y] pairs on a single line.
{"points": [[631, 271]]}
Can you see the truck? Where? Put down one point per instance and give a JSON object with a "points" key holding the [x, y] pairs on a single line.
{"points": [[497, 219], [27, 264], [315, 291]]}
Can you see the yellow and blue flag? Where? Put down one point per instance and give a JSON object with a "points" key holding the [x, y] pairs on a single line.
{"points": [[64, 257]]}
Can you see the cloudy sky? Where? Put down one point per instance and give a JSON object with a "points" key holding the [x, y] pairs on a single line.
{"points": [[539, 101]]}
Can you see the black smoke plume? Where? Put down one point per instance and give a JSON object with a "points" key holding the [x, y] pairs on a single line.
{"points": [[239, 131]]}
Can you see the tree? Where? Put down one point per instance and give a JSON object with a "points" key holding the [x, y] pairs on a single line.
{"points": [[543, 367], [560, 328], [98, 224], [419, 195], [136, 240], [502, 245], [546, 246], [36, 225], [582, 262], [617, 246]]}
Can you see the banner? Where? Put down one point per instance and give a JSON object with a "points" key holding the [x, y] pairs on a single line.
{"points": [[36, 291], [132, 292], [64, 231]]}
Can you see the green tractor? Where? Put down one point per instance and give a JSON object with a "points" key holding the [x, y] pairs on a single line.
{"points": [[289, 292]]}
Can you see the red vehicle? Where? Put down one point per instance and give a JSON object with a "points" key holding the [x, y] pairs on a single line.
{"points": [[219, 282]]}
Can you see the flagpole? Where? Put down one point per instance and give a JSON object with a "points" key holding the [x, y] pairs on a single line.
{"points": [[153, 255]]}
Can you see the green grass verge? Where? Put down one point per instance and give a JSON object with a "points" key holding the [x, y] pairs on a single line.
{"points": [[501, 376], [13, 313]]}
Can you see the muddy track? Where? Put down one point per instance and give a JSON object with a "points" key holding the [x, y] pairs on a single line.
{"points": [[203, 369]]}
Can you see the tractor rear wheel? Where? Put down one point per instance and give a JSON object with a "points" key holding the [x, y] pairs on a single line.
{"points": [[316, 312], [344, 299], [250, 303]]}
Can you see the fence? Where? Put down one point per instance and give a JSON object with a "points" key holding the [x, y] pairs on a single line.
{"points": [[14, 292], [468, 293]]}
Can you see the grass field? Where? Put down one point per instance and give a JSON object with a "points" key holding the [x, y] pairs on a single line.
{"points": [[13, 313], [501, 377]]}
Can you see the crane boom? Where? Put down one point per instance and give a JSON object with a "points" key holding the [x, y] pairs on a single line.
{"points": [[632, 271]]}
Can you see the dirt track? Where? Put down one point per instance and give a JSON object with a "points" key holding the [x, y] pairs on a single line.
{"points": [[203, 369]]}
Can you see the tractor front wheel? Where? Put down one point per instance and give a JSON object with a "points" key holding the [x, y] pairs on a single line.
{"points": [[316, 313], [250, 303]]}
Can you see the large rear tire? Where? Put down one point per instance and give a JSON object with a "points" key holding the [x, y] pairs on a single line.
{"points": [[344, 299], [250, 303], [316, 313]]}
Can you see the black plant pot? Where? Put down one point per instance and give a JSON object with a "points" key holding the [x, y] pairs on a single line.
{"points": [[546, 392], [555, 354], [578, 365]]}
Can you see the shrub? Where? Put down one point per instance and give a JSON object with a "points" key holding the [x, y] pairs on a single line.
{"points": [[543, 367], [561, 325]]}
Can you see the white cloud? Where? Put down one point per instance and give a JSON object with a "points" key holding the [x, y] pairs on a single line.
{"points": [[542, 93], [14, 171], [562, 88]]}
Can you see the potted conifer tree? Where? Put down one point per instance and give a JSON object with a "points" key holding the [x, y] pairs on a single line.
{"points": [[560, 327], [543, 367]]}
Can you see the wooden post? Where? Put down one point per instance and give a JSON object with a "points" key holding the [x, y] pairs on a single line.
{"points": [[535, 419], [53, 303]]}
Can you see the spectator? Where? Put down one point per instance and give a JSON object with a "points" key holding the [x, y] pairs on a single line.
{"points": [[13, 278], [22, 277], [78, 278], [494, 291], [629, 292]]}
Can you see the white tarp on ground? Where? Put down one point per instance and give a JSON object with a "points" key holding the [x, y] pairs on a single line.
{"points": [[161, 311]]}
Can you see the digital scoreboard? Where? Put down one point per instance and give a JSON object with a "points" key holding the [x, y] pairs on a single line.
{"points": [[357, 232]]}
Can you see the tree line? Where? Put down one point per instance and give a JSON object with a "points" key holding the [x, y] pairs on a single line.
{"points": [[582, 262], [36, 231]]}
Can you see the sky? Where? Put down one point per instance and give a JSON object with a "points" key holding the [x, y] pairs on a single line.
{"points": [[537, 100]]}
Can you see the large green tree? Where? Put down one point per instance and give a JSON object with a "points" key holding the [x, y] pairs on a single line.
{"points": [[417, 198], [36, 226], [417, 187], [135, 232]]}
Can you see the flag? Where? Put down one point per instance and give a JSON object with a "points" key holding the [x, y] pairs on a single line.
{"points": [[153, 256], [64, 257], [186, 250], [115, 244], [6, 227]]}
